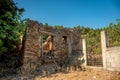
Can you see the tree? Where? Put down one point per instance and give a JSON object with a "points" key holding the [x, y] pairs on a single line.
{"points": [[11, 26], [113, 31], [93, 37], [58, 27]]}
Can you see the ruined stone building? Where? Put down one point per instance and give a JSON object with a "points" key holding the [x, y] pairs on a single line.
{"points": [[48, 44], [52, 48]]}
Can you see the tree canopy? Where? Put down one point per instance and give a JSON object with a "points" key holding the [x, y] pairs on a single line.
{"points": [[93, 37], [11, 26]]}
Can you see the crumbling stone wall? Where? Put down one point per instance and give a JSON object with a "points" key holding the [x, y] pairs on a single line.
{"points": [[66, 45], [32, 42]]}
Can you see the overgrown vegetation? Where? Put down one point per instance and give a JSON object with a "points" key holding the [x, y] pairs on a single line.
{"points": [[113, 31], [12, 27], [93, 37]]}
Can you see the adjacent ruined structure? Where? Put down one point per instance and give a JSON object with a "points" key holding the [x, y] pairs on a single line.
{"points": [[48, 45]]}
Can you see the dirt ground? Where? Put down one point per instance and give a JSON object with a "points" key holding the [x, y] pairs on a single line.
{"points": [[89, 74]]}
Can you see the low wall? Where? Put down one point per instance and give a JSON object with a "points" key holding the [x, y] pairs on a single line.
{"points": [[113, 58], [110, 55]]}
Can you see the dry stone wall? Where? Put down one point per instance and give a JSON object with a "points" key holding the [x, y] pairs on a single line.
{"points": [[66, 46], [32, 42]]}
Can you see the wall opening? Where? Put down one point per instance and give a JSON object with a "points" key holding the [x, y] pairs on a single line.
{"points": [[47, 42], [64, 39]]}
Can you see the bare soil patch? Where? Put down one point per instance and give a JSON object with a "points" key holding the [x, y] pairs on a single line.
{"points": [[89, 74]]}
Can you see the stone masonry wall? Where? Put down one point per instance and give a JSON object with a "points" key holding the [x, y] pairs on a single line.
{"points": [[66, 47], [32, 43], [33, 40], [32, 46]]}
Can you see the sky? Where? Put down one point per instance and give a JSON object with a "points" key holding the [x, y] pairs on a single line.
{"points": [[71, 13]]}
